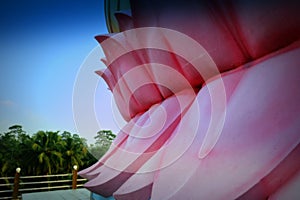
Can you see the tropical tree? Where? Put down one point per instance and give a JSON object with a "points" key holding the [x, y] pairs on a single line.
{"points": [[47, 152], [103, 139], [74, 150], [47, 147], [8, 152], [14, 148]]}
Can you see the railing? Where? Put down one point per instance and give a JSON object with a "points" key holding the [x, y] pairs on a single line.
{"points": [[15, 186]]}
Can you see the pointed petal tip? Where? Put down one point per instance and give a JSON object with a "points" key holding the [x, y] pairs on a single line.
{"points": [[99, 72], [104, 60], [101, 38]]}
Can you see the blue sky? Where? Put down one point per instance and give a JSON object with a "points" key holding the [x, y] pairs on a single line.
{"points": [[42, 47]]}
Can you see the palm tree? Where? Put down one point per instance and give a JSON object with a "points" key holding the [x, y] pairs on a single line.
{"points": [[74, 150], [47, 147]]}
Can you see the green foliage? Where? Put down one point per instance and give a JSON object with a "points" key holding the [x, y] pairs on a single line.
{"points": [[47, 148], [12, 146], [103, 139], [48, 152], [74, 150]]}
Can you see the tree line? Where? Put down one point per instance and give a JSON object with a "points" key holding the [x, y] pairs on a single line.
{"points": [[48, 152]]}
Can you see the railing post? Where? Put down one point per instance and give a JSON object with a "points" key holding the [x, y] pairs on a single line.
{"points": [[16, 183], [74, 179]]}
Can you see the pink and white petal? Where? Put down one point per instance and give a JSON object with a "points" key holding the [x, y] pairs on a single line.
{"points": [[141, 194], [138, 184], [277, 178], [265, 132], [289, 191]]}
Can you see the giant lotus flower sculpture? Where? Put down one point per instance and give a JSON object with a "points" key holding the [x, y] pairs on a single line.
{"points": [[210, 91]]}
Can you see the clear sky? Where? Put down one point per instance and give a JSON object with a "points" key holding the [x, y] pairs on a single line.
{"points": [[43, 45]]}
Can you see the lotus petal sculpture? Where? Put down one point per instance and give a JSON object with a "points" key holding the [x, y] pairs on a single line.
{"points": [[210, 91]]}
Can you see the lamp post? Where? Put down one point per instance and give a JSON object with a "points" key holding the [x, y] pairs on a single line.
{"points": [[16, 183], [74, 179]]}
